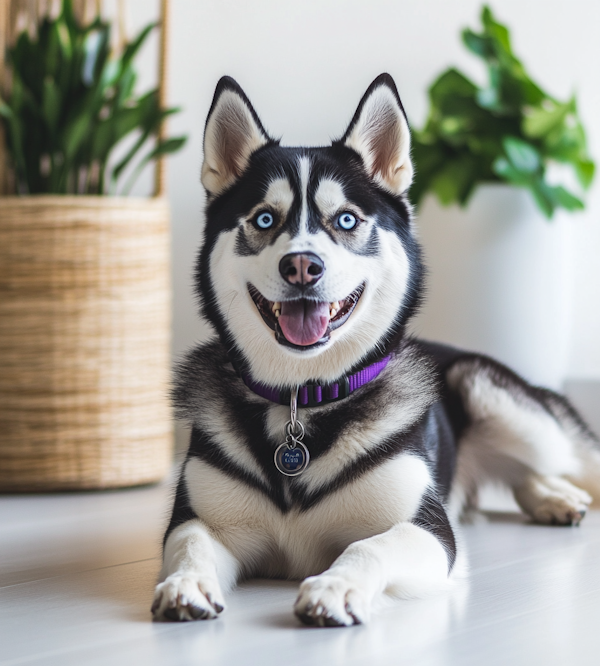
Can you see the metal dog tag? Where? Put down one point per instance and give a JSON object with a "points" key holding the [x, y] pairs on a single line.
{"points": [[292, 457]]}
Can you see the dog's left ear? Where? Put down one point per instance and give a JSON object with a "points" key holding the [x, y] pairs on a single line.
{"points": [[233, 132], [379, 134]]}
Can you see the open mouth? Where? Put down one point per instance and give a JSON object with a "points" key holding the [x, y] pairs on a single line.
{"points": [[303, 323]]}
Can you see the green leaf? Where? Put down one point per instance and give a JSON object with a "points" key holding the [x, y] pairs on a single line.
{"points": [[532, 93], [64, 64], [451, 84], [168, 146], [585, 170], [68, 15], [162, 148], [503, 168], [541, 120], [51, 104], [454, 182], [76, 132], [64, 39], [566, 143], [133, 47], [549, 198], [487, 147], [544, 196], [103, 140], [429, 159], [508, 130], [489, 99], [523, 156], [110, 74], [152, 116], [478, 44], [52, 48], [452, 125], [5, 110], [497, 31], [15, 138], [93, 44], [123, 121], [72, 101], [126, 85], [126, 120], [566, 199]]}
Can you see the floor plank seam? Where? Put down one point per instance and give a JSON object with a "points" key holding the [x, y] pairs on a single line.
{"points": [[79, 572]]}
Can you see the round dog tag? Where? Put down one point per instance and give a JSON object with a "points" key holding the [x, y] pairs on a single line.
{"points": [[292, 458]]}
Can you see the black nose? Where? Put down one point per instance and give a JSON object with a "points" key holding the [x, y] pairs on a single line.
{"points": [[301, 268]]}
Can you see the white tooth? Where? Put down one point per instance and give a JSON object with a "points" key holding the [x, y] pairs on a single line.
{"points": [[332, 313], [277, 313], [276, 306], [336, 306]]}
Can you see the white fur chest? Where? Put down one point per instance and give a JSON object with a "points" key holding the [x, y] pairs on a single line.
{"points": [[299, 543]]}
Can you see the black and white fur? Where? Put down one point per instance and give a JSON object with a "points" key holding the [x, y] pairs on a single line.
{"points": [[393, 465]]}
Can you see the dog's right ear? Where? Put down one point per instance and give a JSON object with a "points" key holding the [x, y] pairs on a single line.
{"points": [[233, 132]]}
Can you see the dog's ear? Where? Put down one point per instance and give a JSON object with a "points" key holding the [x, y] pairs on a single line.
{"points": [[379, 134], [233, 132]]}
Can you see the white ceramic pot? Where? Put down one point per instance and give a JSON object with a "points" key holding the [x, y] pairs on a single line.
{"points": [[500, 281]]}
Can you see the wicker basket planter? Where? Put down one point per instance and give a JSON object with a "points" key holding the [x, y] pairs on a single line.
{"points": [[84, 342]]}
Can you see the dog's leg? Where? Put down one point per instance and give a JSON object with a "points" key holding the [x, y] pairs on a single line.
{"points": [[196, 568], [525, 437], [409, 560], [551, 500]]}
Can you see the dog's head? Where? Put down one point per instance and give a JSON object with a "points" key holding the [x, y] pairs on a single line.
{"points": [[309, 266]]}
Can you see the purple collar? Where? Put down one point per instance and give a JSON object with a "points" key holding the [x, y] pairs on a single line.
{"points": [[313, 395]]}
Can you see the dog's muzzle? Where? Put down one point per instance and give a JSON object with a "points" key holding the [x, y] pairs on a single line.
{"points": [[303, 323]]}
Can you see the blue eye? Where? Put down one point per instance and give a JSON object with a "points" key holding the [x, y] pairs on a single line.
{"points": [[264, 221], [347, 221]]}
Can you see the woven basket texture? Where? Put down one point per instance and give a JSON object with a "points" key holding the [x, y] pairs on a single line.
{"points": [[84, 342]]}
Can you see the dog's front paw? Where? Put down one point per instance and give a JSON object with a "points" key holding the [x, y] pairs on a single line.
{"points": [[330, 600], [186, 597]]}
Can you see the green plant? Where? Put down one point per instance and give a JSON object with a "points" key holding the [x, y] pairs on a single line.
{"points": [[71, 102], [509, 131]]}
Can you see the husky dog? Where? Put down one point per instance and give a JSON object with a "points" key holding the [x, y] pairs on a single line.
{"points": [[309, 272]]}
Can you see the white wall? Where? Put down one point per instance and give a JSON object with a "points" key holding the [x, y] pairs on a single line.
{"points": [[306, 64]]}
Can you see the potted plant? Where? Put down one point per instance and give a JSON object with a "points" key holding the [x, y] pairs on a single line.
{"points": [[487, 163], [84, 277]]}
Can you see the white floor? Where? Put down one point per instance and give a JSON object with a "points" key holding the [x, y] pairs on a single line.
{"points": [[77, 572]]}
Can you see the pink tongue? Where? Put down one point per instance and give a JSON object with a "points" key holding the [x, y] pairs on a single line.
{"points": [[303, 322]]}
